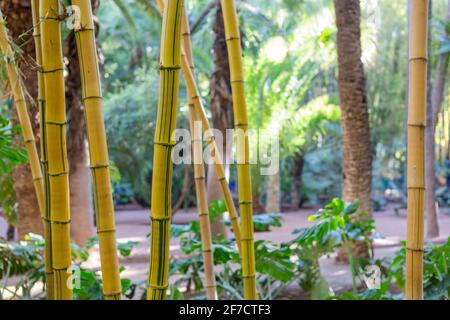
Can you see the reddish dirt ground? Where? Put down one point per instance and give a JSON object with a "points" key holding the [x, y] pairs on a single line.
{"points": [[133, 224]]}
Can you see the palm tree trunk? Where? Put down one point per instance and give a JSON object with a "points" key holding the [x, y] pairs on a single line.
{"points": [[297, 172], [19, 22], [435, 99], [357, 151], [273, 193]]}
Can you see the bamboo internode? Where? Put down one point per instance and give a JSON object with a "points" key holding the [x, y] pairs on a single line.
{"points": [[98, 151], [57, 186], [418, 55], [243, 154], [161, 210]]}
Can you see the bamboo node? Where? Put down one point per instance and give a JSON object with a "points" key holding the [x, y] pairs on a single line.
{"points": [[415, 249], [82, 29], [177, 67], [231, 38], [53, 123], [105, 230], [159, 218], [58, 174], [52, 70], [237, 81], [165, 144], [92, 97], [418, 125], [61, 269], [112, 294], [99, 166], [416, 188], [157, 287], [56, 221], [425, 59]]}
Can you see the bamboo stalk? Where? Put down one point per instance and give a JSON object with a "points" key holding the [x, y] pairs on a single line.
{"points": [[55, 144], [202, 203], [188, 71], [21, 106], [418, 55], [199, 173], [41, 101], [161, 210], [243, 150], [98, 150]]}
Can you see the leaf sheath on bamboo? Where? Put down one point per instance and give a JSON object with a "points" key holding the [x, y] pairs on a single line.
{"points": [[55, 144], [161, 210], [199, 173], [418, 55], [242, 149], [188, 72], [41, 101], [98, 151]]}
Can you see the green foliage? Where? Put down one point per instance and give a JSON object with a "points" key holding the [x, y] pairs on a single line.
{"points": [[130, 117], [215, 209], [24, 261], [263, 222], [273, 265], [436, 274], [10, 155], [337, 224]]}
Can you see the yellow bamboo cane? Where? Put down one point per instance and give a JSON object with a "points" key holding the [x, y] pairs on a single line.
{"points": [[243, 154], [418, 55], [188, 71], [98, 151], [199, 174], [202, 203], [161, 210], [21, 106], [55, 144], [41, 101]]}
